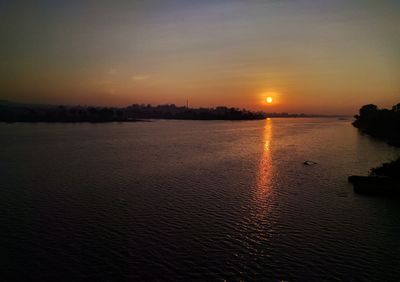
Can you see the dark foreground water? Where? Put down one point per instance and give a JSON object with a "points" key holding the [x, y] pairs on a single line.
{"points": [[193, 200]]}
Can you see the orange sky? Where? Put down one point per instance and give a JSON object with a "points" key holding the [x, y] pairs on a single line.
{"points": [[310, 56]]}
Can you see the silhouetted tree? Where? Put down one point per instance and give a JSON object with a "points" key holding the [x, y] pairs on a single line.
{"points": [[381, 123]]}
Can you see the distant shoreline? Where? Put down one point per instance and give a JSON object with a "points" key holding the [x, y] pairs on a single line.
{"points": [[156, 119], [77, 122], [30, 113]]}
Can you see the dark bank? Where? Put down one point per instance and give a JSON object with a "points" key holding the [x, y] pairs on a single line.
{"points": [[384, 125]]}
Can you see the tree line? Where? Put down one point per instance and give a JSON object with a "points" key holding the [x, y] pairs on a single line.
{"points": [[380, 123], [30, 113]]}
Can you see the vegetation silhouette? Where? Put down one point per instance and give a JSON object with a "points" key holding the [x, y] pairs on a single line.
{"points": [[385, 125], [18, 112], [14, 112], [390, 169], [381, 123]]}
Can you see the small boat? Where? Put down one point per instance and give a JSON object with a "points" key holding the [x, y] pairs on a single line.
{"points": [[375, 185], [309, 163]]}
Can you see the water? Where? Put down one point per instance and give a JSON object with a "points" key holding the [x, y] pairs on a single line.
{"points": [[193, 200]]}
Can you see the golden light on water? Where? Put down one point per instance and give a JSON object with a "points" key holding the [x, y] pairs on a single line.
{"points": [[265, 170]]}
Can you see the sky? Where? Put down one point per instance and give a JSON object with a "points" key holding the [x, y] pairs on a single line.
{"points": [[317, 57]]}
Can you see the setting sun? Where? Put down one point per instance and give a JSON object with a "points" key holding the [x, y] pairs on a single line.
{"points": [[254, 122]]}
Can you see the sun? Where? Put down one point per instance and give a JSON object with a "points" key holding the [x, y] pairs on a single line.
{"points": [[269, 100]]}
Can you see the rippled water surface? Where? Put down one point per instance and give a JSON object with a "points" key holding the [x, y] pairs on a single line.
{"points": [[193, 200]]}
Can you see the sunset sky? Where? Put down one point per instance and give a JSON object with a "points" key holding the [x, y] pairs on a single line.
{"points": [[326, 57]]}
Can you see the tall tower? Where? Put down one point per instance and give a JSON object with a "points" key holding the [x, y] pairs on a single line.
{"points": [[187, 103]]}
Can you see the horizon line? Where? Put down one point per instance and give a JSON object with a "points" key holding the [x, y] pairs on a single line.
{"points": [[5, 101]]}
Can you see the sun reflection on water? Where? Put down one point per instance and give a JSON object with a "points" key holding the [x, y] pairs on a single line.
{"points": [[265, 168]]}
